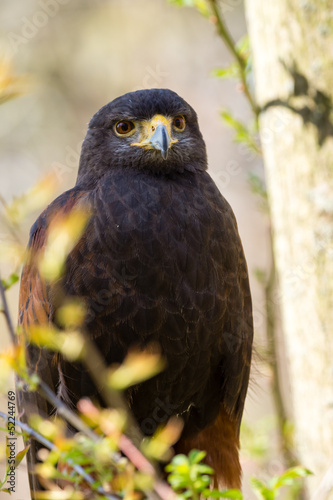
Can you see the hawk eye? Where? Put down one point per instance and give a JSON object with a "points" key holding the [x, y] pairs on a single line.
{"points": [[179, 123], [124, 127]]}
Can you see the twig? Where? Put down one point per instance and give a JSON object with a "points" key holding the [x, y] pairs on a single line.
{"points": [[226, 37], [135, 456], [41, 439], [7, 314], [64, 411], [113, 399], [45, 442], [128, 445], [273, 363]]}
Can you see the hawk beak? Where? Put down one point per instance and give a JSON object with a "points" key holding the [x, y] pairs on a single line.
{"points": [[156, 134], [160, 140]]}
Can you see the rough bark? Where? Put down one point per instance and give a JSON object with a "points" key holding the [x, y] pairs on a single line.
{"points": [[292, 44]]}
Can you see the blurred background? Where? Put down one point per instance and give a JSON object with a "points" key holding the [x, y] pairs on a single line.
{"points": [[78, 55]]}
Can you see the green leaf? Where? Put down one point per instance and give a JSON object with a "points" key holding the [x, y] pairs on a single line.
{"points": [[13, 278], [243, 46], [231, 71], [290, 476], [264, 491], [178, 482], [178, 460], [201, 5], [243, 134], [6, 490], [196, 456], [205, 469], [258, 186], [260, 275], [232, 494], [20, 456]]}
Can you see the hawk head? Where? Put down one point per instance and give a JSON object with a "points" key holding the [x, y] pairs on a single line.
{"points": [[153, 130]]}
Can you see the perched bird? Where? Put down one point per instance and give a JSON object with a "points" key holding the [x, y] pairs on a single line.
{"points": [[161, 261]]}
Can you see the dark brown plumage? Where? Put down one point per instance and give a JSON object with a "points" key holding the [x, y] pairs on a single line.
{"points": [[160, 261]]}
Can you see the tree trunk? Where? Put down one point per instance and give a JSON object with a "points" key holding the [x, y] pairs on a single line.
{"points": [[292, 44]]}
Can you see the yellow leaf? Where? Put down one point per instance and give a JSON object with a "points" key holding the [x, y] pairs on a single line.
{"points": [[11, 85], [70, 343], [12, 253], [158, 447], [66, 494], [5, 371], [37, 198], [50, 429], [12, 358], [137, 367], [143, 482], [45, 336], [64, 233], [71, 314], [112, 423]]}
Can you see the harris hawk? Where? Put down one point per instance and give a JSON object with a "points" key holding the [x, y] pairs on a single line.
{"points": [[160, 261]]}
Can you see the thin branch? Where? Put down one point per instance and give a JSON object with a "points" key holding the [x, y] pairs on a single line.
{"points": [[282, 419], [64, 411], [113, 399], [98, 371], [135, 456], [48, 444], [163, 491], [31, 432], [7, 314], [128, 445], [229, 42]]}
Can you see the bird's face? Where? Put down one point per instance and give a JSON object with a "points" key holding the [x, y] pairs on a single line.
{"points": [[157, 134], [153, 130]]}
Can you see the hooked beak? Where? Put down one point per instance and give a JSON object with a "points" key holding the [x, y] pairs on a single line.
{"points": [[156, 134], [160, 140]]}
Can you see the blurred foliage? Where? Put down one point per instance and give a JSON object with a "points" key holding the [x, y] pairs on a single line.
{"points": [[18, 459], [258, 187], [243, 134], [271, 490], [10, 85], [136, 368], [201, 5], [191, 479], [10, 281], [233, 70], [257, 439], [63, 234], [34, 200], [13, 218]]}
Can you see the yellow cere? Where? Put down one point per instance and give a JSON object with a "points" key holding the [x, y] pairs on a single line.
{"points": [[148, 128]]}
